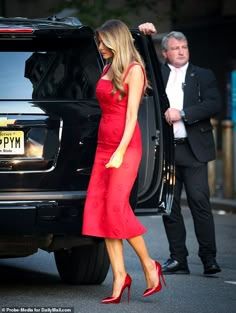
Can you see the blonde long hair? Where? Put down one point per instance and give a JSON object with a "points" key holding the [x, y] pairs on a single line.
{"points": [[117, 37]]}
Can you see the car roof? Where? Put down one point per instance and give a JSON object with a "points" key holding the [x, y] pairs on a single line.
{"points": [[41, 23], [43, 27]]}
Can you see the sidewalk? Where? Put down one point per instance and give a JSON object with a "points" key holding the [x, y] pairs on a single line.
{"points": [[218, 204]]}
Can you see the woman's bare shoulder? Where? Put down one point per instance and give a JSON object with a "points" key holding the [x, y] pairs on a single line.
{"points": [[136, 71]]}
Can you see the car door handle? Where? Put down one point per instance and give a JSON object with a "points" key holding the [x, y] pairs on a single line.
{"points": [[156, 138]]}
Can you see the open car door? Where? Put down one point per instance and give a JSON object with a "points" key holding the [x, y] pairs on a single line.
{"points": [[156, 175]]}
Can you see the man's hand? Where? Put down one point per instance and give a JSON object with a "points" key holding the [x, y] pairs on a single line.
{"points": [[147, 29], [172, 115]]}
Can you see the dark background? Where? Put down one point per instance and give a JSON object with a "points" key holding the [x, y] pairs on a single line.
{"points": [[209, 26]]}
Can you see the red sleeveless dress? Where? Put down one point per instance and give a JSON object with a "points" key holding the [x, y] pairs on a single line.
{"points": [[107, 212]]}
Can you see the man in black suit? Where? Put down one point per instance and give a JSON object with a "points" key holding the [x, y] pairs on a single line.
{"points": [[194, 99]]}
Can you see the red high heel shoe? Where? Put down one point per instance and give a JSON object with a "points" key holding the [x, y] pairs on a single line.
{"points": [[127, 284], [148, 292]]}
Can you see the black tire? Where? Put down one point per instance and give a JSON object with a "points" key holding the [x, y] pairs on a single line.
{"points": [[83, 265]]}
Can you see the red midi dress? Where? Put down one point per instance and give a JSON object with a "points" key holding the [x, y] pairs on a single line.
{"points": [[107, 212]]}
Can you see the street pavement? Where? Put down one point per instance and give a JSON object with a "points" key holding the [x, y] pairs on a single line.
{"points": [[33, 281]]}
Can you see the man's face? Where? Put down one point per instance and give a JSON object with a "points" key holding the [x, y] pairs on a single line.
{"points": [[177, 53]]}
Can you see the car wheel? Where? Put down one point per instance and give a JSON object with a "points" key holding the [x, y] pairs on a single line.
{"points": [[83, 265]]}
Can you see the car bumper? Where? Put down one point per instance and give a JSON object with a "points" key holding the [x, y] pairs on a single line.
{"points": [[41, 212]]}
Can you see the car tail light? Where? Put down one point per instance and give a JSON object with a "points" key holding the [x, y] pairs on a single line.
{"points": [[16, 30]]}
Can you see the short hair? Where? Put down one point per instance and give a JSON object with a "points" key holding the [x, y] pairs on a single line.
{"points": [[173, 34]]}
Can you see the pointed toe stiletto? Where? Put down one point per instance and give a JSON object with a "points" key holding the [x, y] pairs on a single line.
{"points": [[116, 300], [148, 292]]}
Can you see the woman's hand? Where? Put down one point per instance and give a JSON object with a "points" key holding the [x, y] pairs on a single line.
{"points": [[115, 160]]}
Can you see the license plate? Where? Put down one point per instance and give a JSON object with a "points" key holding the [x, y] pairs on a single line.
{"points": [[12, 142]]}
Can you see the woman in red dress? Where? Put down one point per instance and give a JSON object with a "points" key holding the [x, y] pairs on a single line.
{"points": [[107, 211]]}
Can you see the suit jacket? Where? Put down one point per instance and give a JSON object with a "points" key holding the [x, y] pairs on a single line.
{"points": [[201, 102]]}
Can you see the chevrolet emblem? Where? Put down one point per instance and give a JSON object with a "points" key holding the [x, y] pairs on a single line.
{"points": [[4, 122]]}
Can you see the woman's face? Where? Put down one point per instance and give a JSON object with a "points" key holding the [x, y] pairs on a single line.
{"points": [[105, 52]]}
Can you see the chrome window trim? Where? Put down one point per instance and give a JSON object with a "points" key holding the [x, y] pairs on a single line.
{"points": [[13, 197]]}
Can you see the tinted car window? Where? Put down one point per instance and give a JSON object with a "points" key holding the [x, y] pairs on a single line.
{"points": [[12, 65], [51, 73]]}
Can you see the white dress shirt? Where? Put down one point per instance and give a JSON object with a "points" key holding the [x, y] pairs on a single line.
{"points": [[175, 94]]}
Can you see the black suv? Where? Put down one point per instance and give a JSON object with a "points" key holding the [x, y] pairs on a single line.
{"points": [[48, 127]]}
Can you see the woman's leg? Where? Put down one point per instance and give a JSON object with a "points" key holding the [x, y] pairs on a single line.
{"points": [[115, 253], [148, 264]]}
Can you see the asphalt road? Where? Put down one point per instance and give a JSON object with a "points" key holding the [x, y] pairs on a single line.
{"points": [[33, 281]]}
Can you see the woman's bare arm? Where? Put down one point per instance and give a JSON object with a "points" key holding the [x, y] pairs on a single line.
{"points": [[135, 81]]}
